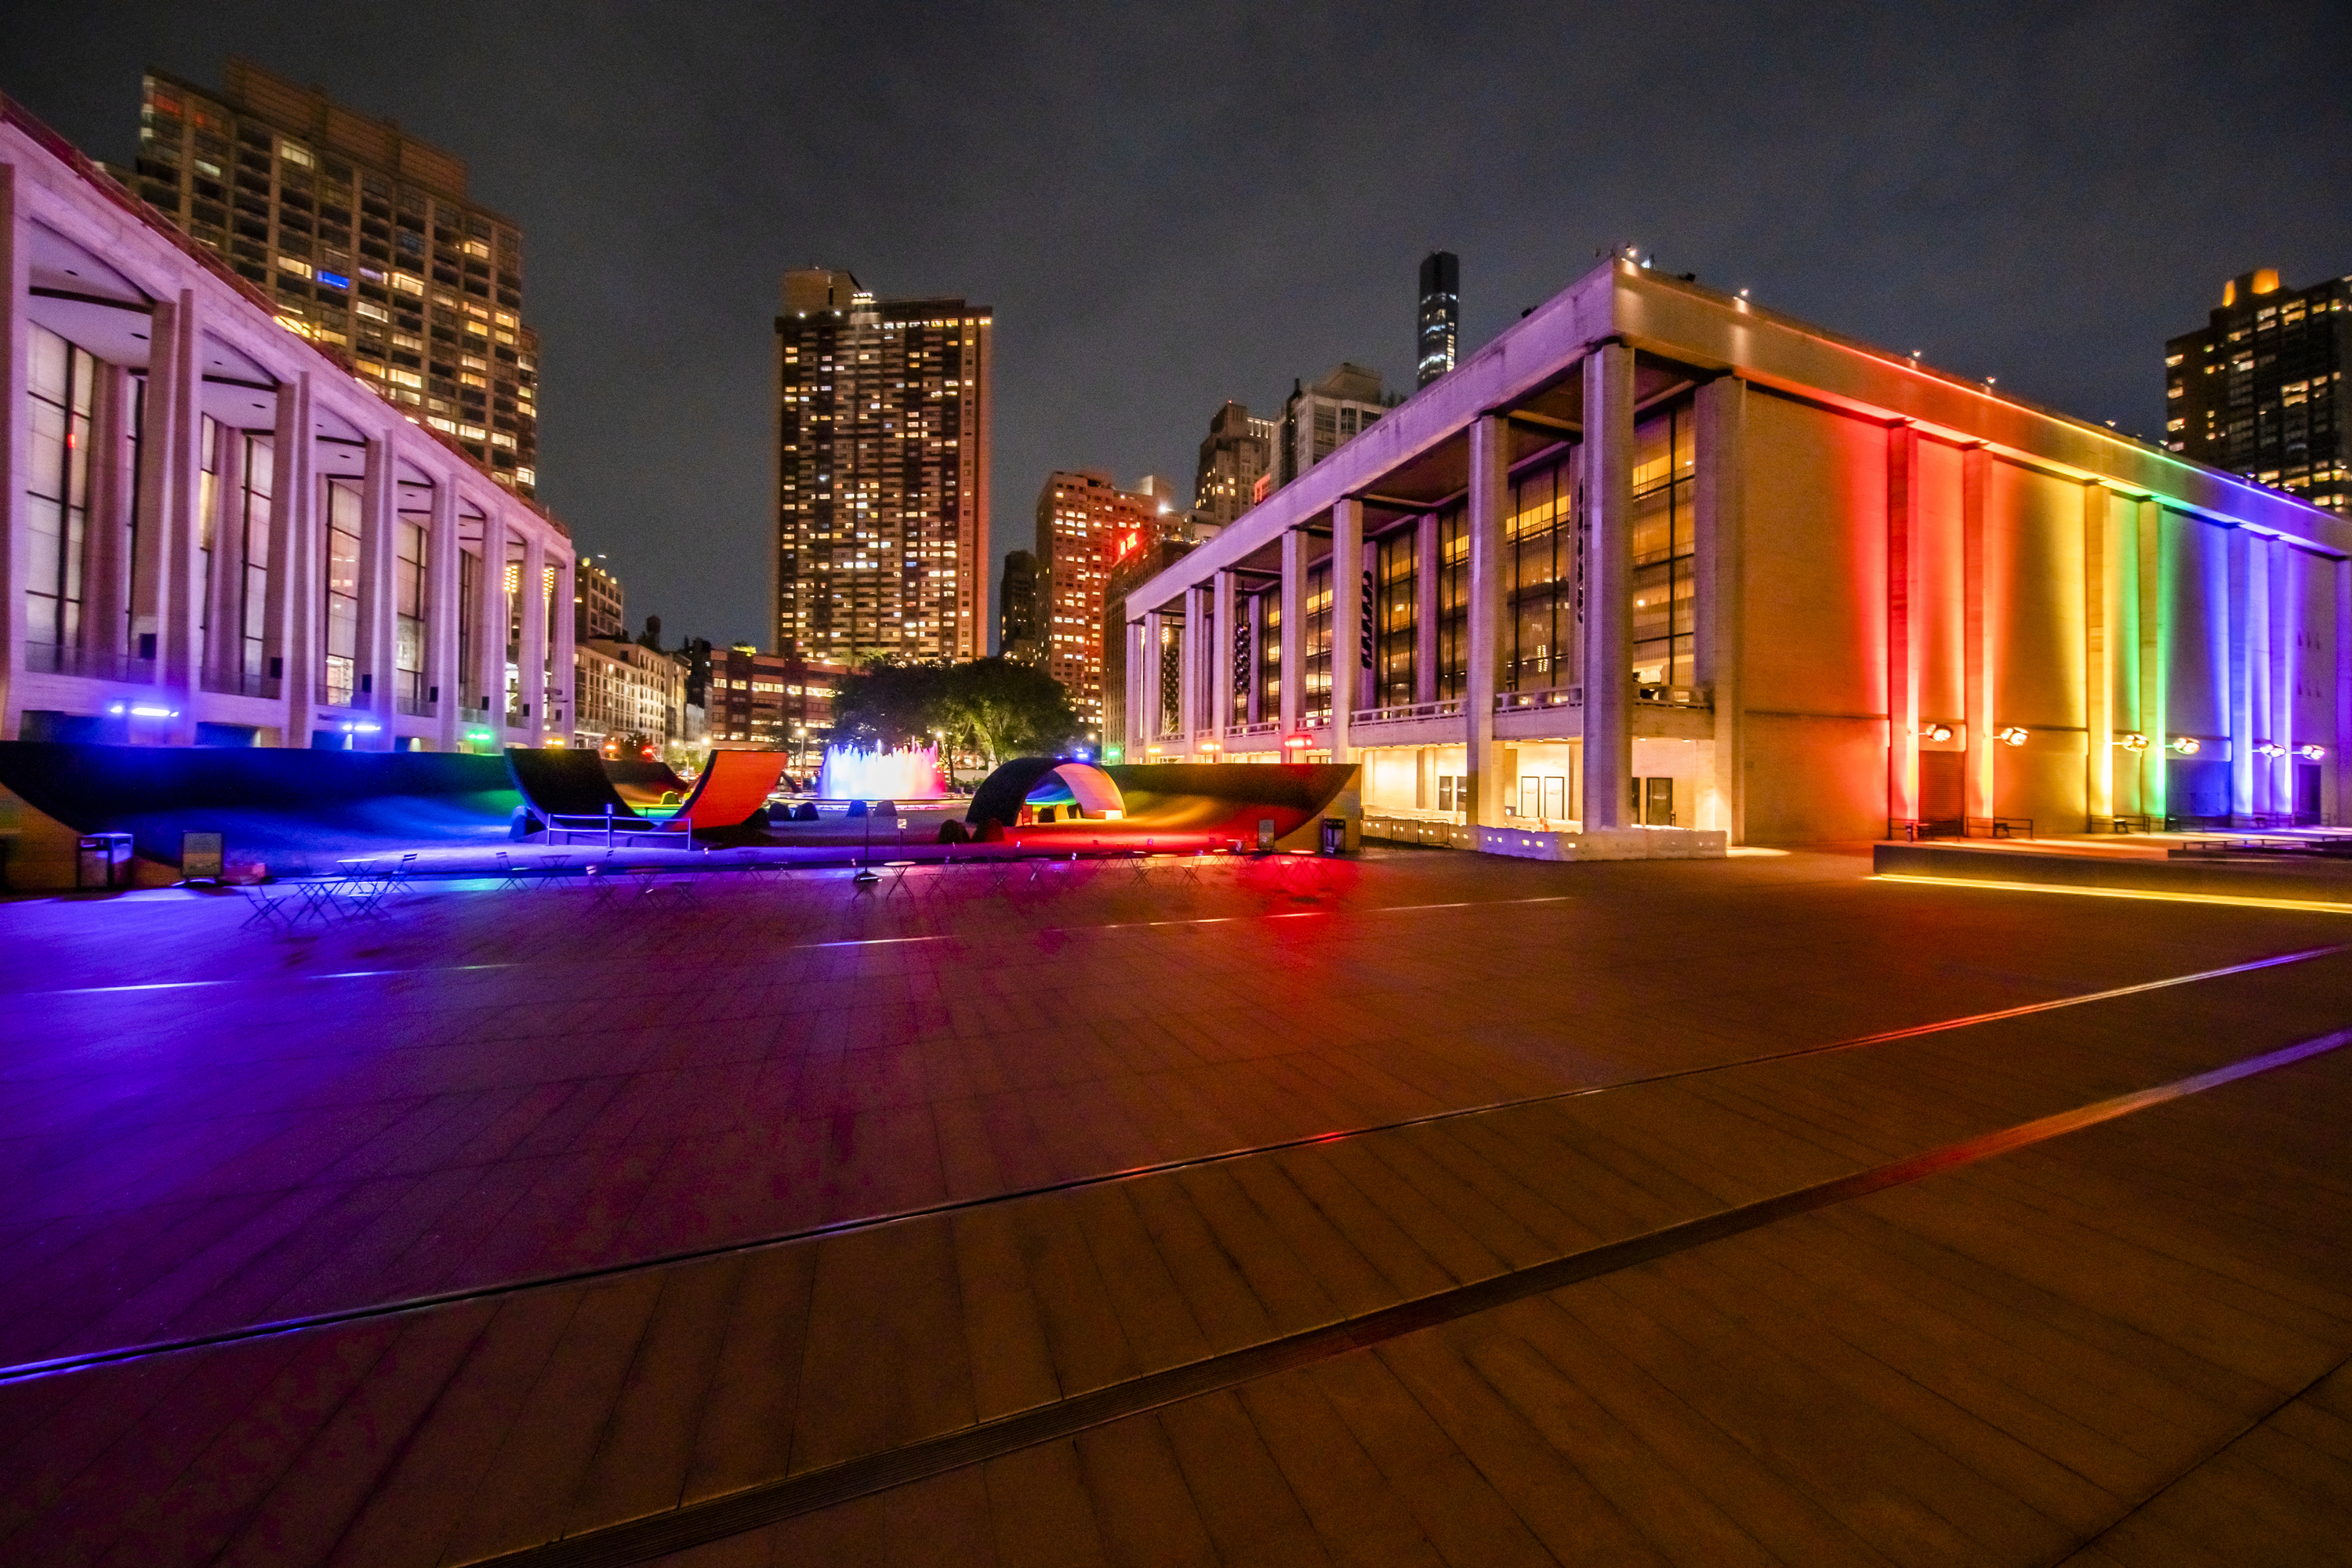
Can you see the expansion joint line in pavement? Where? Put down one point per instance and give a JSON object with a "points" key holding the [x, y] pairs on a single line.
{"points": [[58, 1366], [754, 1508]]}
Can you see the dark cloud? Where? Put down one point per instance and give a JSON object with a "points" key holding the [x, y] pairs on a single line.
{"points": [[1171, 204]]}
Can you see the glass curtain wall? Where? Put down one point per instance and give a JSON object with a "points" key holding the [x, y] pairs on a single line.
{"points": [[470, 617], [342, 590], [1664, 549], [1453, 603], [1396, 618], [1316, 694], [258, 455], [57, 494], [1171, 677], [208, 518], [1541, 550], [408, 608]]}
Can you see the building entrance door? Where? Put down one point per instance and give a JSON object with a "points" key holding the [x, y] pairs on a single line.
{"points": [[1942, 793], [2306, 792]]}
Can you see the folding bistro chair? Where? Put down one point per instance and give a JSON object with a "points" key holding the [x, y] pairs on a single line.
{"points": [[267, 911], [511, 875]]}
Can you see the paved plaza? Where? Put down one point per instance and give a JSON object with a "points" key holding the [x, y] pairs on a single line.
{"points": [[1424, 1209]]}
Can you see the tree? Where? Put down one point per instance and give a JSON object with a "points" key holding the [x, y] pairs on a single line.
{"points": [[1002, 709], [888, 703]]}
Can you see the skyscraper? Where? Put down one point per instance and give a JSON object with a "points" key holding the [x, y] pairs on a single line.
{"points": [[2261, 389], [1318, 420], [366, 242], [1441, 314], [1237, 450], [882, 422], [1085, 523], [1016, 623]]}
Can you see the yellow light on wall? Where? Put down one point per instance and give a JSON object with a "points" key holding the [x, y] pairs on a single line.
{"points": [[2014, 736], [2133, 741]]}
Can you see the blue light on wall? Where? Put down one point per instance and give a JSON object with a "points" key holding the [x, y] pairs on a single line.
{"points": [[335, 280]]}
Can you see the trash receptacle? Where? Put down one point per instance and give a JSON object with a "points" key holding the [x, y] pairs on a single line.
{"points": [[102, 860], [1334, 834]]}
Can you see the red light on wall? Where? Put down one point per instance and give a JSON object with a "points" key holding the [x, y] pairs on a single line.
{"points": [[1296, 742]]}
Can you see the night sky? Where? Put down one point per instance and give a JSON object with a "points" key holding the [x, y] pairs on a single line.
{"points": [[1178, 204]]}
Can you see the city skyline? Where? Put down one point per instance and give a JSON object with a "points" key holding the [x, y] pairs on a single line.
{"points": [[2005, 218]]}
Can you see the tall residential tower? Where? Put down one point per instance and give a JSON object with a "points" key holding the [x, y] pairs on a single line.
{"points": [[366, 243], [2261, 390], [1085, 524], [1441, 315], [882, 420], [1238, 449]]}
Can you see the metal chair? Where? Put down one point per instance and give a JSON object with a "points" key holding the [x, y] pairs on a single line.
{"points": [[511, 875], [265, 911]]}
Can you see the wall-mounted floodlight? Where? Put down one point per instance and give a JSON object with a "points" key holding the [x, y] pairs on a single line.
{"points": [[2186, 746], [2270, 749], [2310, 752], [2013, 736], [2133, 743]]}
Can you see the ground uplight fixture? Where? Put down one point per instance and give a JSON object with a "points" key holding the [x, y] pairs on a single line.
{"points": [[2186, 746], [2013, 736]]}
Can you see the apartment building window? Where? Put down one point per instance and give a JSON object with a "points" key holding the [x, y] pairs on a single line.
{"points": [[343, 591], [56, 492]]}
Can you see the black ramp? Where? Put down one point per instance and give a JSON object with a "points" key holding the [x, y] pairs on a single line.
{"points": [[557, 781]]}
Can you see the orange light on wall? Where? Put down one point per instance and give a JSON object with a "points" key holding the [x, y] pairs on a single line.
{"points": [[2013, 736], [1296, 742]]}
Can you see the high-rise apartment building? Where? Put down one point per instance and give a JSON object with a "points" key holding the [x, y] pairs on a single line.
{"points": [[1237, 450], [1318, 420], [597, 607], [366, 242], [1018, 634], [772, 702], [882, 426], [1085, 523], [2261, 390], [1441, 315]]}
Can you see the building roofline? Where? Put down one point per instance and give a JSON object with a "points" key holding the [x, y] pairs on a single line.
{"points": [[82, 165]]}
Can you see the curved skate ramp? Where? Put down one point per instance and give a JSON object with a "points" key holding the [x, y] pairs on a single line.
{"points": [[557, 781], [1167, 803], [269, 801]]}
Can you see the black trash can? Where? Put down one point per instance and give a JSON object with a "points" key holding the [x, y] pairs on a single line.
{"points": [[103, 862]]}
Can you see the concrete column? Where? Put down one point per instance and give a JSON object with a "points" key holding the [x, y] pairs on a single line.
{"points": [[441, 614], [290, 641], [1293, 705], [562, 671], [2339, 774], [15, 373], [1139, 654], [1609, 585], [2149, 537], [2100, 587], [371, 673], [530, 661], [1902, 646], [2239, 676], [224, 584], [1427, 572], [1190, 706], [1721, 497], [106, 564], [1346, 622], [490, 633], [1976, 637], [164, 578], [1148, 709], [1225, 657], [1489, 498]]}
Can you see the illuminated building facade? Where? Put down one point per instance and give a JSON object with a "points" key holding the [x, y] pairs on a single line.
{"points": [[1318, 420], [772, 702], [1657, 557], [1085, 523], [882, 472], [1439, 321], [215, 533], [597, 603], [1019, 637], [2261, 390], [1236, 453], [365, 241], [628, 696]]}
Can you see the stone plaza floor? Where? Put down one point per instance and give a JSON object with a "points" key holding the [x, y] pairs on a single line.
{"points": [[1424, 1209]]}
